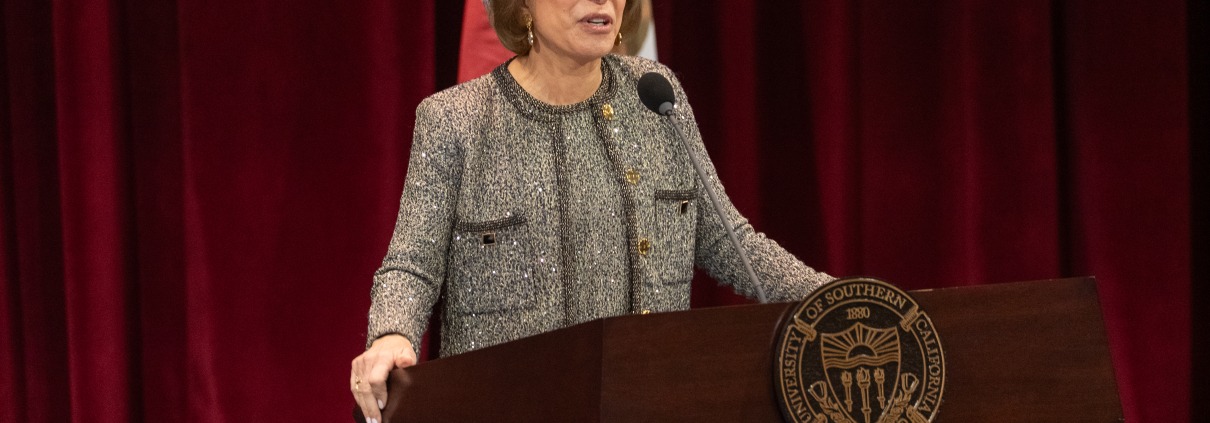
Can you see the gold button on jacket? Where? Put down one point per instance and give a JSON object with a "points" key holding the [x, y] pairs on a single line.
{"points": [[644, 246], [607, 112], [632, 176]]}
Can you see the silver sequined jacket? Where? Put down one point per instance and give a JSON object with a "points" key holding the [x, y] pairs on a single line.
{"points": [[481, 209]]}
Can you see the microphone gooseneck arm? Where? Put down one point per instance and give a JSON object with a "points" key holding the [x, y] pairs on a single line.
{"points": [[656, 93], [718, 208]]}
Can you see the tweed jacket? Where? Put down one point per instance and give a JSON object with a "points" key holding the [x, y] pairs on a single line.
{"points": [[484, 198]]}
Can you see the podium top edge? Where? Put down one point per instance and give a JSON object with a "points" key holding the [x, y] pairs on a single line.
{"points": [[1069, 280]]}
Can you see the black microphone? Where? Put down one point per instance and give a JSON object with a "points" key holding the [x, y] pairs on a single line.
{"points": [[656, 93]]}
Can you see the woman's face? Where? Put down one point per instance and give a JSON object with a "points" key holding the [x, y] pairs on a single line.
{"points": [[583, 30]]}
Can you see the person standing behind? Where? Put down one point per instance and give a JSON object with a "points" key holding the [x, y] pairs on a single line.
{"points": [[544, 194]]}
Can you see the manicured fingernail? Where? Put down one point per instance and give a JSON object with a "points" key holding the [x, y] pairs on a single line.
{"points": [[381, 405]]}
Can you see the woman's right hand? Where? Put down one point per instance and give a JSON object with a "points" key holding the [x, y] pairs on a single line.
{"points": [[368, 379]]}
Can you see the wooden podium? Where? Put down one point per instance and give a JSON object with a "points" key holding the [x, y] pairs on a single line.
{"points": [[1016, 352]]}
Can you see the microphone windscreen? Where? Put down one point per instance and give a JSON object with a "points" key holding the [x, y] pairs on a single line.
{"points": [[655, 91]]}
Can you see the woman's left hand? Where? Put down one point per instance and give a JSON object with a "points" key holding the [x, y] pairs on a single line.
{"points": [[368, 379]]}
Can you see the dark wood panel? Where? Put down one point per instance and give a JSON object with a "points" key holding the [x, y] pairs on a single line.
{"points": [[1024, 352], [706, 365], [550, 377]]}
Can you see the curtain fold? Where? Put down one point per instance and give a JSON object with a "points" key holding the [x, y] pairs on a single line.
{"points": [[1127, 134], [95, 192], [194, 195], [34, 372]]}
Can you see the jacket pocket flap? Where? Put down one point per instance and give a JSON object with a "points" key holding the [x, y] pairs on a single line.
{"points": [[682, 195], [490, 225]]}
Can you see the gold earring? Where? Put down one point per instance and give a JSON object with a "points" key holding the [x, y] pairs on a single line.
{"points": [[619, 41], [529, 29]]}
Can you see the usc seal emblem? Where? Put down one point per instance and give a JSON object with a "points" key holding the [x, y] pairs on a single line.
{"points": [[858, 350]]}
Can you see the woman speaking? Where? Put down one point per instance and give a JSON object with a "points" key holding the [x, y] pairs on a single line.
{"points": [[544, 194]]}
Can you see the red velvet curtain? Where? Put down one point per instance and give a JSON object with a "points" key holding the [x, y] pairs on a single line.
{"points": [[193, 195], [955, 142]]}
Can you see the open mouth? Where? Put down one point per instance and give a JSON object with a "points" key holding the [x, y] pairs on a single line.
{"points": [[600, 21]]}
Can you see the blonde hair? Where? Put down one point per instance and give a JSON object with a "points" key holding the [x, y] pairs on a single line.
{"points": [[508, 18]]}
